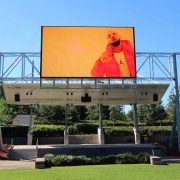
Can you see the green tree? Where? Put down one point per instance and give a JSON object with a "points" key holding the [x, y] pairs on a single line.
{"points": [[143, 112], [149, 113], [92, 112], [5, 117], [117, 113], [50, 114], [156, 112], [82, 112], [72, 113], [170, 108], [105, 112]]}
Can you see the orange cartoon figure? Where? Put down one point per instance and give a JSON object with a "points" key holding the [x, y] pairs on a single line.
{"points": [[110, 63]]}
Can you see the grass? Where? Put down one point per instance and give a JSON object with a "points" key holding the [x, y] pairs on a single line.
{"points": [[104, 172]]}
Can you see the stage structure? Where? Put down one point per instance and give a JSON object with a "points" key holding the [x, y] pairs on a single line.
{"points": [[20, 74]]}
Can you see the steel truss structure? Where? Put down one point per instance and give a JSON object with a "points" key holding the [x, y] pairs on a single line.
{"points": [[17, 67]]}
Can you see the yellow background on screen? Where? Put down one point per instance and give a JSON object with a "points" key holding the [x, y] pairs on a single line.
{"points": [[72, 51]]}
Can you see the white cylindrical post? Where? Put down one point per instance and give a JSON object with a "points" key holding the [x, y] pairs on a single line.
{"points": [[135, 128], [100, 129]]}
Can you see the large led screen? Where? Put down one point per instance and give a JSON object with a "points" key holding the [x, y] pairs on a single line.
{"points": [[87, 52]]}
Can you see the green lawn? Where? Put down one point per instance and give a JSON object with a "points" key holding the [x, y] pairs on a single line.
{"points": [[100, 172]]}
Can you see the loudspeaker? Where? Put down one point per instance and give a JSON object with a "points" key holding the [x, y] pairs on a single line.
{"points": [[155, 97], [86, 98], [17, 97]]}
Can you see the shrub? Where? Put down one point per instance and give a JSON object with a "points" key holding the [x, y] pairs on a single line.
{"points": [[73, 130], [48, 158], [117, 123], [143, 158], [119, 131], [163, 123], [156, 130], [48, 130], [111, 159], [127, 158], [84, 128], [69, 160]]}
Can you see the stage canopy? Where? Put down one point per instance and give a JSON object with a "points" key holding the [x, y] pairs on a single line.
{"points": [[26, 94]]}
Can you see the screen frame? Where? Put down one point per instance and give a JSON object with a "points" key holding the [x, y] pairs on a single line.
{"points": [[70, 77]]}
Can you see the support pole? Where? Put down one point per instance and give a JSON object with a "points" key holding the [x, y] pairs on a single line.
{"points": [[135, 128], [1, 141], [66, 132], [176, 93], [29, 136], [100, 129]]}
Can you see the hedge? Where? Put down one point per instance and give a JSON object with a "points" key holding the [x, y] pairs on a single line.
{"points": [[118, 131], [156, 130], [48, 130], [58, 130], [84, 128], [70, 160]]}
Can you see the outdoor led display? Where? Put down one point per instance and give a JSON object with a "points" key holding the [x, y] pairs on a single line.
{"points": [[87, 52]]}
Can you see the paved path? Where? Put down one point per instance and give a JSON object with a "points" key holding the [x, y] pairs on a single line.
{"points": [[6, 164]]}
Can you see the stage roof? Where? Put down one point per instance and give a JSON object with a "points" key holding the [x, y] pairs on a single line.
{"points": [[26, 94]]}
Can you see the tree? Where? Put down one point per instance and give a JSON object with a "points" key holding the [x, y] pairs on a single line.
{"points": [[4, 117], [156, 112], [130, 114], [72, 113], [50, 114], [143, 112], [149, 113], [117, 113], [170, 108], [92, 112], [105, 112], [82, 112]]}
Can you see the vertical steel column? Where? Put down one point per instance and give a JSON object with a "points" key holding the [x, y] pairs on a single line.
{"points": [[23, 66], [29, 141], [0, 66], [66, 132], [32, 71], [100, 129], [176, 93], [100, 116], [135, 123]]}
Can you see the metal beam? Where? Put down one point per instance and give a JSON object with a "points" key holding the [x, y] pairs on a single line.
{"points": [[176, 93]]}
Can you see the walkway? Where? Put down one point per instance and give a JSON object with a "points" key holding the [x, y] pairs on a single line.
{"points": [[6, 164]]}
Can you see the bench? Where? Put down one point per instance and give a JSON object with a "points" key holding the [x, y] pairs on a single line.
{"points": [[40, 163], [155, 160]]}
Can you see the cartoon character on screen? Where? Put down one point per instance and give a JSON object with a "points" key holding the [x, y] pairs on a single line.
{"points": [[117, 60]]}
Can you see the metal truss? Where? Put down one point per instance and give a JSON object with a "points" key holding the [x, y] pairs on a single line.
{"points": [[25, 67]]}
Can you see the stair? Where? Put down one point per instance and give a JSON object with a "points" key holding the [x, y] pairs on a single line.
{"points": [[22, 152], [170, 160]]}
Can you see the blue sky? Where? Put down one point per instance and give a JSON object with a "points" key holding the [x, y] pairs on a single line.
{"points": [[156, 22]]}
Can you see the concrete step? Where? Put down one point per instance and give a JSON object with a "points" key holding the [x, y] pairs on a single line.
{"points": [[170, 160], [28, 154]]}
